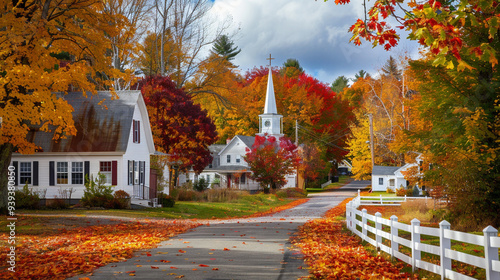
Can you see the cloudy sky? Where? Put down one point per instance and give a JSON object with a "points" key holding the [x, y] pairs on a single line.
{"points": [[313, 32]]}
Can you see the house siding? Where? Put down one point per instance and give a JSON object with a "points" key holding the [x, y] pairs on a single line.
{"points": [[235, 148]]}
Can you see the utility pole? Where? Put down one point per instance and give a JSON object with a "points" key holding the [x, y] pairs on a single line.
{"points": [[372, 145], [296, 133]]}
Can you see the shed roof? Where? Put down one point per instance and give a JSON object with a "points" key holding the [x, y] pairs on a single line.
{"points": [[102, 124]]}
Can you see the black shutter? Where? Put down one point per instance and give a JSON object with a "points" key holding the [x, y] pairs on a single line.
{"points": [[114, 173], [86, 170], [134, 139], [138, 131], [35, 173], [128, 173], [52, 177], [15, 164]]}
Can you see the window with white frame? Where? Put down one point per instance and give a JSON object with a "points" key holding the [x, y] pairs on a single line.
{"points": [[105, 168], [392, 182], [142, 175], [380, 181], [136, 173], [62, 174], [77, 173], [228, 158], [238, 158], [25, 173]]}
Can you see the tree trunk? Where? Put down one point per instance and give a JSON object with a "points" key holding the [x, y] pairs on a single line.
{"points": [[5, 156]]}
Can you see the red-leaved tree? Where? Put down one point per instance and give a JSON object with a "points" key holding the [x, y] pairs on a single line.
{"points": [[180, 128], [271, 160]]}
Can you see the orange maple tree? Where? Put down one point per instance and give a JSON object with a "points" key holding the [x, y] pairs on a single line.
{"points": [[34, 37]]}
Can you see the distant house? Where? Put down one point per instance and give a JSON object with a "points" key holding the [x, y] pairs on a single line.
{"points": [[113, 138], [344, 168], [384, 177]]}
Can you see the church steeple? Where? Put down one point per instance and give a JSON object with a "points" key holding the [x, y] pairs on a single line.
{"points": [[270, 105], [270, 121]]}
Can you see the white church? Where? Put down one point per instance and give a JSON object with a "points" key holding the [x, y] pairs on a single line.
{"points": [[228, 168]]}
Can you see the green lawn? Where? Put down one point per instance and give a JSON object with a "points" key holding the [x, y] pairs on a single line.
{"points": [[384, 194], [333, 186], [244, 206]]}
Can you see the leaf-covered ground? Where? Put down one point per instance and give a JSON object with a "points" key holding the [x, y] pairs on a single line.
{"points": [[60, 247], [74, 251], [334, 253]]}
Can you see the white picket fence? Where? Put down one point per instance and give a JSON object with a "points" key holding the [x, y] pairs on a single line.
{"points": [[360, 223]]}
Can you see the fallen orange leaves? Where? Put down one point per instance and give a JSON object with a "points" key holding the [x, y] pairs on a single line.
{"points": [[332, 253], [83, 249]]}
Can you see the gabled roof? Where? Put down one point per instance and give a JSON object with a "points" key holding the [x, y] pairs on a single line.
{"points": [[385, 170], [102, 124], [247, 140]]}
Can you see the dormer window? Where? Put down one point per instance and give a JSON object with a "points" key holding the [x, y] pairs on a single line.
{"points": [[136, 130]]}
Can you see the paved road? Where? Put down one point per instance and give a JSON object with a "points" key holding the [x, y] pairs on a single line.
{"points": [[251, 248]]}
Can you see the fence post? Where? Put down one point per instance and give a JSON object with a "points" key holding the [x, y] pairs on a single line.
{"points": [[394, 233], [363, 222], [378, 229], [381, 201], [490, 253], [415, 238], [348, 215], [444, 243]]}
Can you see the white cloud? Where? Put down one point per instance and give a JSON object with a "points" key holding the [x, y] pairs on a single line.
{"points": [[314, 32]]}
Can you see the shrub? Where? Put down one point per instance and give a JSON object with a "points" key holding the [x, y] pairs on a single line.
{"points": [[401, 192], [389, 190], [200, 185], [186, 195], [120, 200], [96, 193], [27, 199], [58, 203], [415, 191], [292, 193], [166, 200], [222, 195]]}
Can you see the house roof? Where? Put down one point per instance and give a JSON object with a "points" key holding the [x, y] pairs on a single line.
{"points": [[228, 168], [385, 170], [247, 140], [102, 124]]}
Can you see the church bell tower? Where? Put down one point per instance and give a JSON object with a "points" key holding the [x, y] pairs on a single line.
{"points": [[270, 122]]}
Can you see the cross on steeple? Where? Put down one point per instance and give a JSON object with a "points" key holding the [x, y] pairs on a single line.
{"points": [[270, 58]]}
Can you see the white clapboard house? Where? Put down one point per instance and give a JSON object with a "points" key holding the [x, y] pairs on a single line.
{"points": [[113, 138], [392, 177]]}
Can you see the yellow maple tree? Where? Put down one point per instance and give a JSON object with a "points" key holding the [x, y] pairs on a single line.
{"points": [[49, 47]]}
